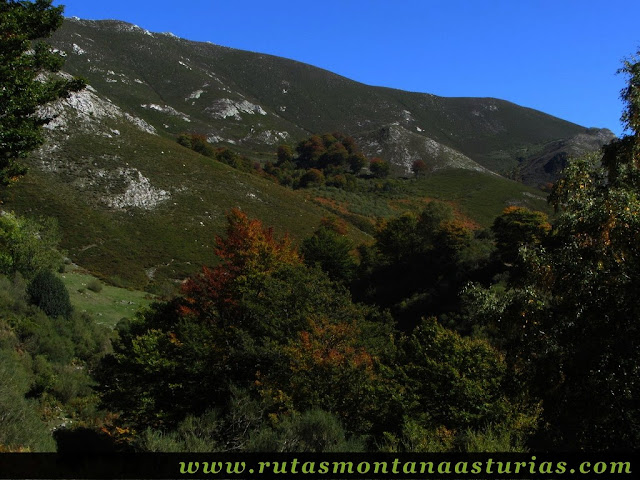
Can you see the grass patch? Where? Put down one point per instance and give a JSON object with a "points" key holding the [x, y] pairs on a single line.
{"points": [[480, 196], [108, 306]]}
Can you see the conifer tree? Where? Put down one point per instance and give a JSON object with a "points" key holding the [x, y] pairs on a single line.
{"points": [[27, 80]]}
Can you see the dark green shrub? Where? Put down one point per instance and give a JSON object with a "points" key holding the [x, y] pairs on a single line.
{"points": [[330, 250], [41, 335], [49, 293], [312, 178], [312, 431], [95, 285], [379, 168]]}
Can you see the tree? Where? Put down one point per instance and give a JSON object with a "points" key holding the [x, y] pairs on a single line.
{"points": [[312, 431], [309, 151], [237, 326], [570, 326], [27, 246], [456, 382], [248, 250], [331, 251], [379, 168], [516, 228], [285, 154], [329, 367], [419, 168], [357, 161], [49, 293], [26, 80], [313, 178], [417, 256]]}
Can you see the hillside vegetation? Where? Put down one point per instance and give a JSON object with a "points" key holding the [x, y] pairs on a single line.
{"points": [[308, 298]]}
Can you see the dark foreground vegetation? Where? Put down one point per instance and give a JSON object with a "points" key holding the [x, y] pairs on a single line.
{"points": [[438, 336]]}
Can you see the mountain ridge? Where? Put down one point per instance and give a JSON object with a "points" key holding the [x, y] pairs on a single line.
{"points": [[300, 99]]}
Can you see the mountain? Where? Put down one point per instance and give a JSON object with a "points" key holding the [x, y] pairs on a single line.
{"points": [[137, 208], [259, 101], [546, 165]]}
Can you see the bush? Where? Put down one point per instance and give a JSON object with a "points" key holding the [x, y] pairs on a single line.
{"points": [[21, 427], [312, 431], [312, 178], [28, 246], [379, 168], [49, 293], [95, 285]]}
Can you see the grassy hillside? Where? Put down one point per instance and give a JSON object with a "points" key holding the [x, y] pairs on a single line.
{"points": [[477, 196], [105, 303], [90, 193]]}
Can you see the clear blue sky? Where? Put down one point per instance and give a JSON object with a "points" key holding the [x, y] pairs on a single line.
{"points": [[558, 56]]}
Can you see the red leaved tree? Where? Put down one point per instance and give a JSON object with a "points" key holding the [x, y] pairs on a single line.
{"points": [[248, 250]]}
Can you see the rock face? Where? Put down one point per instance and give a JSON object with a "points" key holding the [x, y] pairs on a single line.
{"points": [[546, 166], [226, 107], [84, 111], [138, 193], [401, 148]]}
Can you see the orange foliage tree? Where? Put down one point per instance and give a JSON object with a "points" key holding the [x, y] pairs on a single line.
{"points": [[249, 249]]}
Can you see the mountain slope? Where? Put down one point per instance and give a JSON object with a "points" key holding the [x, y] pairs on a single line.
{"points": [[138, 209], [135, 207], [259, 100]]}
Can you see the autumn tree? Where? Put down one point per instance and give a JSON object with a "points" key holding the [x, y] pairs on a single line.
{"points": [[330, 368], [248, 250], [27, 78], [419, 168], [232, 328]]}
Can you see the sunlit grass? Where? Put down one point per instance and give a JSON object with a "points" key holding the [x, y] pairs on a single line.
{"points": [[109, 305]]}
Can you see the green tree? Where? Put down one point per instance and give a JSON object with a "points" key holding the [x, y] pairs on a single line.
{"points": [[312, 431], [22, 429], [27, 246], [357, 161], [49, 293], [517, 228], [331, 252], [570, 326], [419, 264], [453, 381], [285, 154], [26, 80], [379, 168], [312, 178], [454, 385]]}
